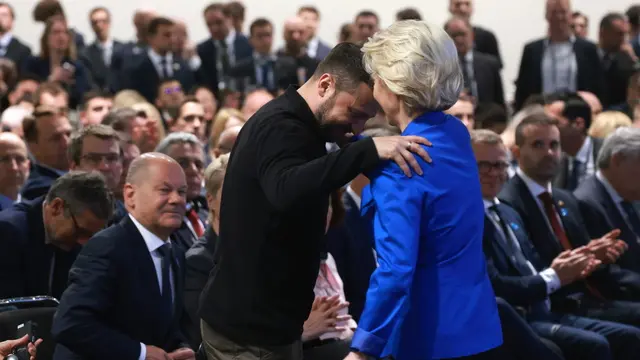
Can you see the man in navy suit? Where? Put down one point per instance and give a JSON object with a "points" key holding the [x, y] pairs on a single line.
{"points": [[40, 238], [157, 63], [112, 310], [518, 276], [222, 51], [606, 199], [47, 133], [14, 168], [552, 219], [10, 47]]}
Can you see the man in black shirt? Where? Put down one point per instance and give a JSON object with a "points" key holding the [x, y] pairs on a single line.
{"points": [[275, 202]]}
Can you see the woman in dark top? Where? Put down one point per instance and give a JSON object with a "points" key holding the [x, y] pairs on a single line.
{"points": [[57, 60]]}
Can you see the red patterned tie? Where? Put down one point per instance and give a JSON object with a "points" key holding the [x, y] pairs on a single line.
{"points": [[192, 215]]}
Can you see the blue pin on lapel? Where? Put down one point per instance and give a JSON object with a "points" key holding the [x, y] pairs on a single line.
{"points": [[514, 226]]}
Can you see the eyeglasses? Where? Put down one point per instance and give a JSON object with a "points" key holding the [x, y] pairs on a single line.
{"points": [[487, 166], [95, 158], [79, 231]]}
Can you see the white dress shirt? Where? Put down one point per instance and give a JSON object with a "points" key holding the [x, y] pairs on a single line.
{"points": [[312, 47], [559, 67], [156, 59], [153, 243], [5, 40], [549, 275], [107, 51], [468, 59]]}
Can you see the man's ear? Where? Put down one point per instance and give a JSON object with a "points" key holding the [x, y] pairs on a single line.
{"points": [[56, 206], [127, 194], [326, 85]]}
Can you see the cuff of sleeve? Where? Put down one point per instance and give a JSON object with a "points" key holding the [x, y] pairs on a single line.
{"points": [[551, 279], [143, 352], [367, 343]]}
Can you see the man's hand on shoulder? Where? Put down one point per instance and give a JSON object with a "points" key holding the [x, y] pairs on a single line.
{"points": [[401, 149]]}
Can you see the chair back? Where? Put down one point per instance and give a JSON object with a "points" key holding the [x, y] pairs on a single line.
{"points": [[42, 316]]}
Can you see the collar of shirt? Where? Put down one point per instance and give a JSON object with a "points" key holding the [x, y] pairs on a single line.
{"points": [[489, 203], [156, 58], [535, 188], [6, 202], [468, 57], [572, 40], [607, 185], [584, 153], [107, 45], [5, 40], [312, 46], [229, 40], [302, 110], [356, 198], [153, 241]]}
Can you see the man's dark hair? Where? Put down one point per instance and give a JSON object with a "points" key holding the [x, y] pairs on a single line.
{"points": [[534, 99], [50, 87], [46, 9], [187, 100], [408, 14], [368, 13], [156, 23], [309, 8], [258, 23], [8, 6], [25, 76], [120, 119], [223, 8], [100, 131], [80, 191], [633, 15], [575, 107], [30, 122], [608, 19], [236, 10], [489, 114], [97, 9], [537, 119], [344, 62], [577, 14], [93, 94]]}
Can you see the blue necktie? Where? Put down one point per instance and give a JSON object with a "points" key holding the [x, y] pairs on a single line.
{"points": [[632, 216], [167, 260]]}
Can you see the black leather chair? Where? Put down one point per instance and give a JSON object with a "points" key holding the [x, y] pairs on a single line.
{"points": [[38, 309]]}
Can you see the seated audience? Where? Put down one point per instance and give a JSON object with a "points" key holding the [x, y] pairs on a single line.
{"points": [[95, 107], [51, 94], [42, 237], [225, 142], [253, 101], [12, 118], [593, 101], [225, 119], [14, 168], [190, 118], [607, 122], [168, 99], [464, 109], [130, 151], [155, 125], [131, 123], [492, 117], [26, 85]]}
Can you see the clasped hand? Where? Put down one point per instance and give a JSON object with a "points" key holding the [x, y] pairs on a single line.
{"points": [[324, 317], [608, 248]]}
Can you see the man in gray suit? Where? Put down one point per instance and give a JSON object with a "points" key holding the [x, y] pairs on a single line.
{"points": [[316, 48]]}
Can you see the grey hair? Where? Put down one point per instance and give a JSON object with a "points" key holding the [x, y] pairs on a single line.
{"points": [[177, 138], [487, 137], [80, 191], [624, 141], [418, 62]]}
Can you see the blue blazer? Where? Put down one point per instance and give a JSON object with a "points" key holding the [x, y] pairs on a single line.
{"points": [[430, 297]]}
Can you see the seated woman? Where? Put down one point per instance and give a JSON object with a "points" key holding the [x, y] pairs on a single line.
{"points": [[430, 297], [58, 61]]}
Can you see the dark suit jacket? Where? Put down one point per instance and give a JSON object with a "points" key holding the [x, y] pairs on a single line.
{"points": [[635, 43], [110, 306], [601, 215], [611, 281], [207, 75], [486, 70], [244, 71], [351, 246], [17, 52], [78, 38], [121, 63], [42, 68], [590, 75], [91, 57], [323, 50], [617, 73], [562, 177], [485, 42], [199, 262], [25, 258], [143, 77], [287, 69], [40, 180]]}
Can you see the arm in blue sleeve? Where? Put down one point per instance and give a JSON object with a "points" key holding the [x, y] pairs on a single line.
{"points": [[396, 229]]}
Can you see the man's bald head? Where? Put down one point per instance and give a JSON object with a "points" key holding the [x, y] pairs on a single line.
{"points": [[227, 140], [138, 170], [8, 138], [295, 35], [254, 101], [592, 100]]}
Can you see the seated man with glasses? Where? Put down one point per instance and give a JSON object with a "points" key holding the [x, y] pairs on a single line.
{"points": [[41, 238], [97, 148]]}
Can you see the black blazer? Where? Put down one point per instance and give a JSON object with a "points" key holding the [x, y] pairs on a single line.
{"points": [[199, 262], [244, 71], [611, 281], [351, 246], [562, 177], [323, 50], [485, 42], [25, 258], [287, 69], [42, 69], [486, 70], [121, 63], [110, 306], [99, 72], [601, 215], [17, 52], [207, 75], [590, 75], [617, 73], [40, 180], [143, 77]]}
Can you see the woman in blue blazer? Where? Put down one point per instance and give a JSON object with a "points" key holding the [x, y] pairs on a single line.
{"points": [[430, 297]]}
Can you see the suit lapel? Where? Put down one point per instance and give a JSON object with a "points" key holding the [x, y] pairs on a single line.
{"points": [[145, 267], [500, 242]]}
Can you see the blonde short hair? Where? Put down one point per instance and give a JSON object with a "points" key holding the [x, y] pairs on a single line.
{"points": [[214, 174], [606, 122], [418, 62], [220, 124]]}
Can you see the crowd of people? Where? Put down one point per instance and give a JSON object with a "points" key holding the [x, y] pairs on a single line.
{"points": [[109, 141]]}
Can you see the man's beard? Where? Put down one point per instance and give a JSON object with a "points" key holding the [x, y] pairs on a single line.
{"points": [[332, 132]]}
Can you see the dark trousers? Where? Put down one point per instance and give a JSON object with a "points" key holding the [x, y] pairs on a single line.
{"points": [[520, 341], [219, 347], [585, 339], [625, 312], [495, 354]]}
